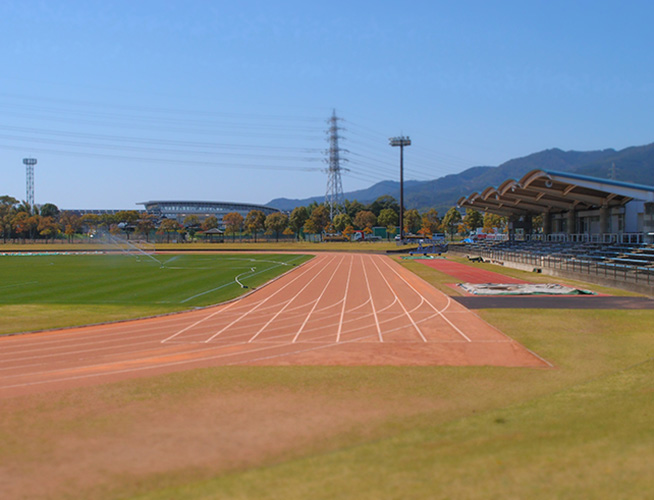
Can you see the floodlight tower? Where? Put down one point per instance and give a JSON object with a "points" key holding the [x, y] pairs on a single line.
{"points": [[401, 142], [29, 166], [334, 194]]}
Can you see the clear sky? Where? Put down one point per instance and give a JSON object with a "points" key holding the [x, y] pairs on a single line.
{"points": [[123, 101]]}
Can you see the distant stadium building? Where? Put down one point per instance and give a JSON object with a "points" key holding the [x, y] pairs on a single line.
{"points": [[178, 210]]}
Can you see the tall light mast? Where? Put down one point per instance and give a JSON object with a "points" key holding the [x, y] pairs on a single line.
{"points": [[29, 166], [401, 142]]}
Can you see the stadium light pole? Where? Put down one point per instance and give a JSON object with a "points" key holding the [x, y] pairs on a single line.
{"points": [[401, 142]]}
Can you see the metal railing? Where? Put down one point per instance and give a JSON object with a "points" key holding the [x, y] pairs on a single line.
{"points": [[610, 270]]}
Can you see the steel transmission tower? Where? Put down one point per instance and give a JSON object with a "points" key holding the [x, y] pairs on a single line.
{"points": [[29, 166], [334, 195]]}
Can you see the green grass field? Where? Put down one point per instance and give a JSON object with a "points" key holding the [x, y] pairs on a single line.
{"points": [[580, 430], [48, 291]]}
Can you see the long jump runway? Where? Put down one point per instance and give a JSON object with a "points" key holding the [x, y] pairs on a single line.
{"points": [[337, 309]]}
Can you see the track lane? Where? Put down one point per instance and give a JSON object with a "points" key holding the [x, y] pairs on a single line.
{"points": [[336, 309]]}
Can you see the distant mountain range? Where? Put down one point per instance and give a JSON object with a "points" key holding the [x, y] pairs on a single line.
{"points": [[634, 164]]}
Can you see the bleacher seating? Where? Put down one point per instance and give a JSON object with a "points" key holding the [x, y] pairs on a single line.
{"points": [[639, 256]]}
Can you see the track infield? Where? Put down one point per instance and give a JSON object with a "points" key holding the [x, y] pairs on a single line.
{"points": [[337, 309]]}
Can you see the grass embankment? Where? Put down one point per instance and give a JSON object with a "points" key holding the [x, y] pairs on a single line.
{"points": [[51, 291], [581, 430]]}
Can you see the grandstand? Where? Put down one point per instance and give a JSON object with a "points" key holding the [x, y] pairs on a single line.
{"points": [[178, 210], [600, 229]]}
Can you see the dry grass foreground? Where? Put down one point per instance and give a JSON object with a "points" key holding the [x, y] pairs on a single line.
{"points": [[582, 430]]}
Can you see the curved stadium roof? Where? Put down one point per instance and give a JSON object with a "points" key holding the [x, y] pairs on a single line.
{"points": [[540, 191], [186, 207]]}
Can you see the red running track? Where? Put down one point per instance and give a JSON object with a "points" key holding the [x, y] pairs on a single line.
{"points": [[469, 273], [337, 309]]}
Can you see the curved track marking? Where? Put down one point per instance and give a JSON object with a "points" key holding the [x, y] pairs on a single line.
{"points": [[315, 314]]}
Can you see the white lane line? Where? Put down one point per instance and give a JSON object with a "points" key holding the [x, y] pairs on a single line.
{"points": [[372, 302], [399, 301], [198, 322], [440, 312], [317, 301], [315, 263], [288, 303], [347, 288], [19, 284]]}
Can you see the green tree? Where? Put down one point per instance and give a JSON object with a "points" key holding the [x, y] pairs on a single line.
{"points": [[353, 207], [191, 224], [255, 222], [473, 220], [50, 210], [7, 211], [299, 216], [431, 223], [388, 218], [383, 203], [341, 221], [451, 221], [412, 221], [276, 223]]}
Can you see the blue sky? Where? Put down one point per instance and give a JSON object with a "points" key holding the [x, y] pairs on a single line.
{"points": [[128, 101]]}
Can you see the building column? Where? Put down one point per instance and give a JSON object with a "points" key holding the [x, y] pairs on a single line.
{"points": [[547, 222], [604, 219], [648, 222], [571, 222]]}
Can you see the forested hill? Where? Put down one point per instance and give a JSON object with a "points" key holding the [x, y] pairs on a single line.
{"points": [[634, 164]]}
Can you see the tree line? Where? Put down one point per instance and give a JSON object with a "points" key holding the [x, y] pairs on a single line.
{"points": [[19, 221]]}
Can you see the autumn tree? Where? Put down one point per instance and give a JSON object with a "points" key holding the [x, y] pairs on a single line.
{"points": [[167, 227], [348, 231], [233, 223], [145, 225], [125, 220], [320, 218], [210, 222], [92, 222], [255, 222], [493, 223], [70, 223], [276, 223], [299, 216], [365, 219], [430, 221], [47, 227], [310, 227]]}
